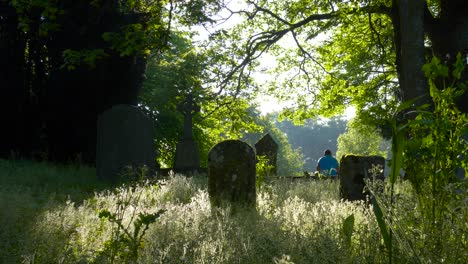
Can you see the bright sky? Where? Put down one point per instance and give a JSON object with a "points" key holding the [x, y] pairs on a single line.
{"points": [[269, 104]]}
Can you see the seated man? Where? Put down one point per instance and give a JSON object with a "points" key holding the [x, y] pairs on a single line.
{"points": [[328, 165]]}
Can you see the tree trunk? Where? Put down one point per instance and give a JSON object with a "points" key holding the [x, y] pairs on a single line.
{"points": [[408, 20], [48, 111], [77, 97], [449, 36], [14, 108]]}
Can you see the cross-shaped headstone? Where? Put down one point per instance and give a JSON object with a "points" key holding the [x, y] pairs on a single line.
{"points": [[188, 108]]}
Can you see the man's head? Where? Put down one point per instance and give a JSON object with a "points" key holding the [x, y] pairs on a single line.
{"points": [[328, 152]]}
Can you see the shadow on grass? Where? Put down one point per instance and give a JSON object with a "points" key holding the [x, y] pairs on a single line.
{"points": [[28, 189]]}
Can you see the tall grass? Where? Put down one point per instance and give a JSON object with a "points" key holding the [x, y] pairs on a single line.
{"points": [[295, 221], [413, 239], [430, 143]]}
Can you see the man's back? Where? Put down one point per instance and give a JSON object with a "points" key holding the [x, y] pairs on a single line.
{"points": [[329, 165]]}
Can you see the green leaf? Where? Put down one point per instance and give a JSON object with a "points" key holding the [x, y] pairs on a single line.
{"points": [[381, 222], [458, 68], [398, 143], [104, 214], [407, 104], [348, 228]]}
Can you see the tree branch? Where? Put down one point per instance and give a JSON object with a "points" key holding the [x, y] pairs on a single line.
{"points": [[259, 43], [269, 12], [430, 22]]}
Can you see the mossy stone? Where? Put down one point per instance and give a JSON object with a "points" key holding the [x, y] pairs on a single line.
{"points": [[231, 174], [353, 170]]}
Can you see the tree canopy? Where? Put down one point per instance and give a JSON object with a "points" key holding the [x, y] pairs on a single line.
{"points": [[367, 53], [170, 77], [361, 139], [68, 61]]}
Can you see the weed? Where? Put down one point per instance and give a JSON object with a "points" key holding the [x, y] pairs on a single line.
{"points": [[127, 239]]}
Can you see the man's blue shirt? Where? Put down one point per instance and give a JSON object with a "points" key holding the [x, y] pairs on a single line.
{"points": [[327, 163]]}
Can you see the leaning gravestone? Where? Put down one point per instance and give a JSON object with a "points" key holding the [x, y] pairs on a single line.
{"points": [[231, 174], [124, 138], [267, 147], [353, 170], [187, 157]]}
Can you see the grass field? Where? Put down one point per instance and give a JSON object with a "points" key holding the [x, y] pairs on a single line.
{"points": [[51, 214]]}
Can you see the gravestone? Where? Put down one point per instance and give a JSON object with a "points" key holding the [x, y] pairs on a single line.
{"points": [[124, 138], [231, 174], [353, 170], [268, 147], [187, 157]]}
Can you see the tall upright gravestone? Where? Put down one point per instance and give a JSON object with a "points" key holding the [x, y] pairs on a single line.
{"points": [[353, 170], [124, 138], [187, 157], [268, 147], [231, 174]]}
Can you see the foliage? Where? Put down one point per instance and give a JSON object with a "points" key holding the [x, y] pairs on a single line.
{"points": [[432, 148], [313, 137], [263, 169], [361, 139], [438, 137], [348, 226], [97, 48], [327, 54], [127, 239], [359, 61], [289, 160], [150, 32], [173, 75], [167, 78], [123, 244], [331, 54]]}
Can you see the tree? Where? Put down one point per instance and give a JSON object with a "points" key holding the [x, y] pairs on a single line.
{"points": [[290, 160], [171, 76], [360, 139], [381, 67], [68, 61], [313, 137]]}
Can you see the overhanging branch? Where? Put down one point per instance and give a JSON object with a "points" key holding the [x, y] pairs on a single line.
{"points": [[259, 43]]}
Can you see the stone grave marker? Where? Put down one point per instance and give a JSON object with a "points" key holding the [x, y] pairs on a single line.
{"points": [[187, 157], [268, 147], [231, 174], [353, 170], [124, 138]]}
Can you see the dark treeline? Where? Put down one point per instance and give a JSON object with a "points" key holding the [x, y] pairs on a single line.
{"points": [[49, 111], [313, 138]]}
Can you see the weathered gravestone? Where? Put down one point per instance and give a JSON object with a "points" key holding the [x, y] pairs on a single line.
{"points": [[231, 174], [187, 157], [268, 147], [124, 138], [353, 170]]}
